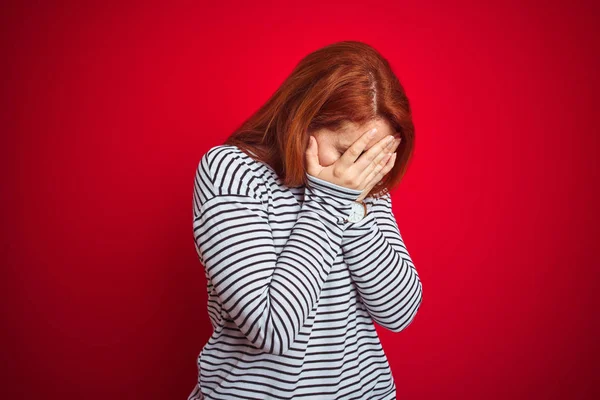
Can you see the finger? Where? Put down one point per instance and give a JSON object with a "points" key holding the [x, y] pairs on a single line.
{"points": [[374, 175], [366, 160], [388, 167], [397, 141], [356, 148], [312, 156], [380, 158], [383, 172], [383, 157], [370, 160]]}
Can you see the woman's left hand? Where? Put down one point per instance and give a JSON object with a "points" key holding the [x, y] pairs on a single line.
{"points": [[376, 175]]}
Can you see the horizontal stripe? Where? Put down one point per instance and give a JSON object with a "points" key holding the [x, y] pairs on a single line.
{"points": [[293, 288]]}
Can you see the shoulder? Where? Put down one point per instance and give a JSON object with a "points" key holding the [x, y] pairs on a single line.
{"points": [[227, 170]]}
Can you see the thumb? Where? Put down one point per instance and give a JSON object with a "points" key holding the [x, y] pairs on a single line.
{"points": [[312, 154]]}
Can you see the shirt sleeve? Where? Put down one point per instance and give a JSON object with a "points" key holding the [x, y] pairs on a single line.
{"points": [[269, 296], [381, 267]]}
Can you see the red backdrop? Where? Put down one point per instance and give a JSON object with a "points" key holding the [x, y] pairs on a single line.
{"points": [[107, 109]]}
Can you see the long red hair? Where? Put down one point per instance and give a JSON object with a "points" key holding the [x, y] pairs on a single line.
{"points": [[341, 82]]}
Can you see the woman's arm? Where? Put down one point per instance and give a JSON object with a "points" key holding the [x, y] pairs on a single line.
{"points": [[269, 297], [381, 267]]}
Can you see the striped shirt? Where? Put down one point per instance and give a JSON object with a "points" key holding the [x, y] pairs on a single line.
{"points": [[294, 289]]}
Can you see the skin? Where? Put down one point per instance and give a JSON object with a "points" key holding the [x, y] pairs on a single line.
{"points": [[352, 158]]}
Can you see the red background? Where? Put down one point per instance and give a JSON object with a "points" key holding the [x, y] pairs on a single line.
{"points": [[107, 109]]}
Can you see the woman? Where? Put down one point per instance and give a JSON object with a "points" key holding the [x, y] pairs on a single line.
{"points": [[293, 223]]}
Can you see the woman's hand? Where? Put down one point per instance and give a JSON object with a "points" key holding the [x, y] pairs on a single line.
{"points": [[351, 171]]}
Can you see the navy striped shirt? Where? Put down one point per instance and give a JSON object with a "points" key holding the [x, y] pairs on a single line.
{"points": [[293, 289]]}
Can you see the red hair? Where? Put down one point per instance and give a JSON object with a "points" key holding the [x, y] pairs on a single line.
{"points": [[341, 82]]}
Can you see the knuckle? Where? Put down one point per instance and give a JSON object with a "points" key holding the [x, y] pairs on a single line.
{"points": [[353, 151], [350, 182], [337, 172]]}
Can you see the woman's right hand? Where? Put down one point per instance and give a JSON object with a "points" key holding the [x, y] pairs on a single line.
{"points": [[347, 171]]}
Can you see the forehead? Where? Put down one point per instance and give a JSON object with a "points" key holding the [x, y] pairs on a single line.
{"points": [[351, 132]]}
